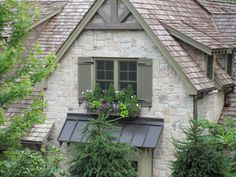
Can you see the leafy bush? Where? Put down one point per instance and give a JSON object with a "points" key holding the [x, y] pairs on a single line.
{"points": [[28, 163], [123, 102]]}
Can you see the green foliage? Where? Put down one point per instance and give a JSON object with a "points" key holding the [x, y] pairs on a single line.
{"points": [[29, 163], [122, 102], [225, 138], [110, 95], [198, 155], [20, 69], [98, 155]]}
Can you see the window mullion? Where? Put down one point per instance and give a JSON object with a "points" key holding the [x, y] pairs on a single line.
{"points": [[116, 74]]}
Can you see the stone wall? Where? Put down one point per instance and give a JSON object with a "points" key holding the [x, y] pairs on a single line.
{"points": [[211, 106], [170, 99], [234, 68]]}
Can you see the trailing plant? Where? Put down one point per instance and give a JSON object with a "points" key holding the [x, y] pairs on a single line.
{"points": [[99, 154], [124, 103], [198, 155]]}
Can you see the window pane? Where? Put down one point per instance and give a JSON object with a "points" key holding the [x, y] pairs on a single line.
{"points": [[109, 75], [135, 166], [104, 73], [100, 75], [123, 75], [100, 65], [123, 66], [123, 85], [128, 74], [109, 65], [132, 66], [132, 76]]}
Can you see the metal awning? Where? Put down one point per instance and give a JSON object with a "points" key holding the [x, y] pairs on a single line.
{"points": [[138, 132]]}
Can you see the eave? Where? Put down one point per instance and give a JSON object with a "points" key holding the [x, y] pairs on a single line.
{"points": [[48, 16], [188, 40]]}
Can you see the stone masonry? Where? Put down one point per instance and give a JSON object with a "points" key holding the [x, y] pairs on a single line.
{"points": [[170, 99]]}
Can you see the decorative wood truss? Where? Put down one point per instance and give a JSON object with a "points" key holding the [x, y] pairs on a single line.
{"points": [[113, 14]]}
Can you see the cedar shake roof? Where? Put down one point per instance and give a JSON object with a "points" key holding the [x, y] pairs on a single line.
{"points": [[60, 27], [46, 7], [224, 15], [222, 76], [187, 17], [192, 18], [226, 23], [154, 12], [39, 133]]}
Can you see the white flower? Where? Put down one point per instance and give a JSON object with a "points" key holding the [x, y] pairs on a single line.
{"points": [[117, 91], [137, 105], [82, 93], [132, 96]]}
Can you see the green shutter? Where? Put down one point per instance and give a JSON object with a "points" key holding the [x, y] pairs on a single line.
{"points": [[144, 89], [84, 75]]}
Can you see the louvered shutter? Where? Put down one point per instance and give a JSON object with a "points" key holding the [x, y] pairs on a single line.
{"points": [[84, 75], [144, 88]]}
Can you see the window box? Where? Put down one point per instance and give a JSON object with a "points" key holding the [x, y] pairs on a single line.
{"points": [[123, 103]]}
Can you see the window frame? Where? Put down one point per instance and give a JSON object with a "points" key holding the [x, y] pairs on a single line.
{"points": [[116, 69]]}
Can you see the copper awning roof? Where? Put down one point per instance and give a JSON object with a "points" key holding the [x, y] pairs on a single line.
{"points": [[138, 132]]}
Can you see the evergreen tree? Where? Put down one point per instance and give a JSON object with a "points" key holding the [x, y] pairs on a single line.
{"points": [[198, 155], [99, 155]]}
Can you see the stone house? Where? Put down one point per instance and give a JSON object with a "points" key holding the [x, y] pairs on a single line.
{"points": [[183, 59]]}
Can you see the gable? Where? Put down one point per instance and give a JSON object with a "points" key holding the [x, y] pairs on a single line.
{"points": [[113, 14], [147, 17]]}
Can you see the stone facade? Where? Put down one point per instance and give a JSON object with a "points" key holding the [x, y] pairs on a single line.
{"points": [[170, 99], [234, 68]]}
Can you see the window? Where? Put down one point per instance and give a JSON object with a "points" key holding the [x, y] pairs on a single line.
{"points": [[120, 71], [230, 64], [104, 73], [210, 63], [128, 74]]}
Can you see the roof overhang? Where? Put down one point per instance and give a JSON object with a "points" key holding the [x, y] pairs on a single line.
{"points": [[48, 16], [138, 132], [188, 39]]}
